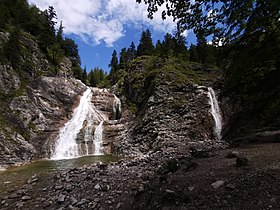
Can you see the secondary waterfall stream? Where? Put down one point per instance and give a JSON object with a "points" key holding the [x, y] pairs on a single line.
{"points": [[86, 119], [216, 113]]}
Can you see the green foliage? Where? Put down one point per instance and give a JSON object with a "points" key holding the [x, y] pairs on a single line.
{"points": [[59, 37], [55, 54], [131, 52], [145, 73], [145, 46], [256, 66], [114, 64], [12, 49], [4, 16], [84, 76], [71, 51], [77, 72], [249, 29], [18, 17], [123, 58], [97, 77], [224, 19]]}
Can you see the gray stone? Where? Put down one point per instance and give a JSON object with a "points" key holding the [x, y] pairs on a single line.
{"points": [[230, 186], [97, 187], [12, 196], [82, 202], [19, 205], [58, 187], [218, 184], [232, 154], [68, 187], [9, 80], [118, 205], [61, 198], [25, 198]]}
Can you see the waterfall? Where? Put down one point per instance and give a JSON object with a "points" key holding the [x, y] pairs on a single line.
{"points": [[83, 118], [215, 111], [117, 108], [66, 145], [88, 138], [98, 139]]}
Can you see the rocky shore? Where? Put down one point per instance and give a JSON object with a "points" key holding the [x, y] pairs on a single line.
{"points": [[244, 177]]}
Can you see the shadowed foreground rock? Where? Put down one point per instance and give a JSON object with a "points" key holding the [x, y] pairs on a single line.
{"points": [[152, 182]]}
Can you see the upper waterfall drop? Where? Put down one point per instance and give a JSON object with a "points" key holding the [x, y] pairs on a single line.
{"points": [[216, 113]]}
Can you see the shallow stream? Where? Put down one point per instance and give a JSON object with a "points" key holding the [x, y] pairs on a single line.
{"points": [[15, 177]]}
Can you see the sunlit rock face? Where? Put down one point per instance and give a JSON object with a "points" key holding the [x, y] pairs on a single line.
{"points": [[34, 103], [37, 115], [91, 128]]}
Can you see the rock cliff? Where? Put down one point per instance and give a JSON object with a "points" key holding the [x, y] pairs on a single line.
{"points": [[171, 107], [165, 107], [34, 104]]}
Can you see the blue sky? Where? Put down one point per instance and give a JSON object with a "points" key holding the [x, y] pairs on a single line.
{"points": [[100, 26]]}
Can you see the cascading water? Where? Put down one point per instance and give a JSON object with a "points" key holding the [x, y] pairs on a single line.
{"points": [[216, 113], [88, 137], [66, 145], [98, 139], [83, 117], [117, 108]]}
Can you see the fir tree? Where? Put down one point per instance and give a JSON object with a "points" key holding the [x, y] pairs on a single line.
{"points": [[145, 46], [84, 76], [123, 58], [114, 65], [131, 52]]}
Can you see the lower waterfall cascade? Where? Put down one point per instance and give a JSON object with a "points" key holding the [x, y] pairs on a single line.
{"points": [[216, 113], [98, 136], [83, 134]]}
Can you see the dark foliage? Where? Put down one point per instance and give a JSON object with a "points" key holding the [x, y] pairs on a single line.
{"points": [[18, 16]]}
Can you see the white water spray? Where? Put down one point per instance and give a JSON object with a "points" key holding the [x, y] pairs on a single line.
{"points": [[84, 116], [66, 145], [216, 113], [98, 139], [117, 107]]}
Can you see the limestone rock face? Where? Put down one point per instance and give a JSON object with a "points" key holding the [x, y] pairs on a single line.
{"points": [[33, 103], [175, 120], [37, 115], [173, 112], [9, 80]]}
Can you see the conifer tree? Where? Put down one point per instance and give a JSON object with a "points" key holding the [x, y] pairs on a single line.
{"points": [[201, 47], [114, 65], [131, 52], [193, 53], [168, 45], [180, 48], [84, 76], [59, 35], [158, 47], [145, 46], [123, 58]]}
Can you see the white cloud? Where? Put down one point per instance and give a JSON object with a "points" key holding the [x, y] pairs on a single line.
{"points": [[103, 20]]}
